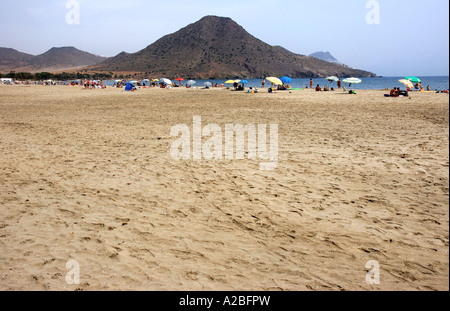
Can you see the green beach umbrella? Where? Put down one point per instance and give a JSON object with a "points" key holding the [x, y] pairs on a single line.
{"points": [[332, 78], [413, 79]]}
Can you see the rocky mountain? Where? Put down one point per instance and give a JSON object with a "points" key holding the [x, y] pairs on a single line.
{"points": [[217, 47], [325, 56], [10, 58], [53, 60]]}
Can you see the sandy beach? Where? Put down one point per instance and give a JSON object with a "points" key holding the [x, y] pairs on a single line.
{"points": [[87, 175]]}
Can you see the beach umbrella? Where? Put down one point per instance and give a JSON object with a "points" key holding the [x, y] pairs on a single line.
{"points": [[230, 81], [332, 79], [413, 79], [243, 81], [155, 80], [274, 80], [191, 82], [165, 81], [286, 80], [179, 79], [208, 84], [352, 81], [408, 83]]}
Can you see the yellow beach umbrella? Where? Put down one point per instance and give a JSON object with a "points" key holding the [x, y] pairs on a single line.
{"points": [[274, 80], [155, 80], [229, 82]]}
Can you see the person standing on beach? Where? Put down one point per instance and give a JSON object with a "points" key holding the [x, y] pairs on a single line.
{"points": [[311, 83], [339, 84], [263, 83]]}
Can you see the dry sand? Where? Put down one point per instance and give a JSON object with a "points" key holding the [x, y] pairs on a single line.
{"points": [[86, 175]]}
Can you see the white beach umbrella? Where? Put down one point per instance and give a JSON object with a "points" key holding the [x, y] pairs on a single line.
{"points": [[165, 81], [332, 78], [351, 81]]}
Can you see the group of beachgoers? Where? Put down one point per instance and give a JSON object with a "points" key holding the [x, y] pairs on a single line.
{"points": [[396, 92], [94, 84], [325, 88], [42, 82]]}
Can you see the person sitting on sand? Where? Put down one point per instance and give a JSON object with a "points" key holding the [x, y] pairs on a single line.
{"points": [[325, 88], [394, 92], [318, 88], [235, 85]]}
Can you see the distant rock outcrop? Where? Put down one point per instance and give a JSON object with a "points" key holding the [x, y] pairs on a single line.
{"points": [[327, 57], [53, 60]]}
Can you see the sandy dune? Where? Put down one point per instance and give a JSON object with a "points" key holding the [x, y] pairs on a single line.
{"points": [[87, 175]]}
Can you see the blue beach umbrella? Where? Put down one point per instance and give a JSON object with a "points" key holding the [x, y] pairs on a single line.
{"points": [[286, 80], [243, 81]]}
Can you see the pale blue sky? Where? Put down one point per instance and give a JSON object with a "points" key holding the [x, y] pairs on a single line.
{"points": [[411, 39]]}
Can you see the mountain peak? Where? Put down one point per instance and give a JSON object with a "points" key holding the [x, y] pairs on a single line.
{"points": [[214, 18], [218, 47]]}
